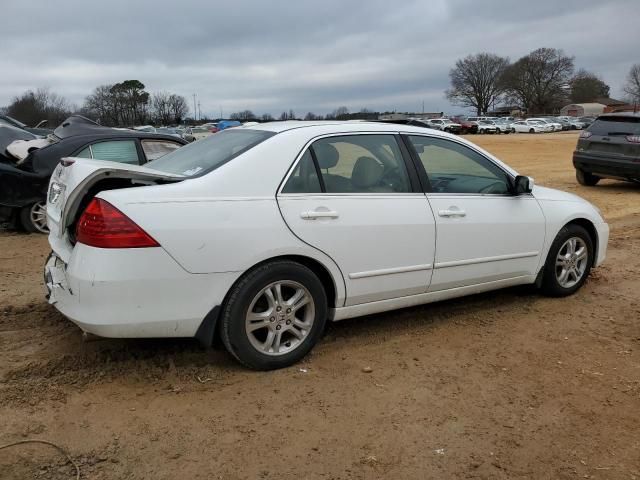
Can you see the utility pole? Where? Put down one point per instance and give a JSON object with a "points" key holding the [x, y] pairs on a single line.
{"points": [[423, 108], [195, 111], [220, 112], [199, 111]]}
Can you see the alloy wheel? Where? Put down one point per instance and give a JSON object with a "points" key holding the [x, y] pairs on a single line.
{"points": [[280, 317], [571, 262], [38, 217]]}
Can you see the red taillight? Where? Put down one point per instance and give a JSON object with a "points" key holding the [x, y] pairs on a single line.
{"points": [[103, 225], [633, 138], [585, 134]]}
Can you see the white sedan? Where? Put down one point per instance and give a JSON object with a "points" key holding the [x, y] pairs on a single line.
{"points": [[530, 126], [260, 235], [553, 126]]}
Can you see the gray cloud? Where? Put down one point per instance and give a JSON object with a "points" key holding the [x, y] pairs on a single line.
{"points": [[271, 56]]}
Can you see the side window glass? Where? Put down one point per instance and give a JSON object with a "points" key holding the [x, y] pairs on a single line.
{"points": [[86, 153], [454, 168], [361, 164], [122, 151], [157, 148], [304, 178]]}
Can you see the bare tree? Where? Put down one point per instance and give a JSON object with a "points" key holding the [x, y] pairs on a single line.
{"points": [[160, 108], [243, 116], [290, 115], [476, 81], [540, 80], [178, 108], [34, 106], [312, 116], [587, 87], [266, 117], [340, 113], [632, 85]]}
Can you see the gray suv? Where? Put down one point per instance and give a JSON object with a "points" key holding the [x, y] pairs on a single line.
{"points": [[609, 148]]}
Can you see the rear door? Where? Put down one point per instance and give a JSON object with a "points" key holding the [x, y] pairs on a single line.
{"points": [[356, 198]]}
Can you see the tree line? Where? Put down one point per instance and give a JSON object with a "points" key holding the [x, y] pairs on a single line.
{"points": [[542, 81], [123, 104]]}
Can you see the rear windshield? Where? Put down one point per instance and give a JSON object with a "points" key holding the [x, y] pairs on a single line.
{"points": [[611, 126], [208, 154]]}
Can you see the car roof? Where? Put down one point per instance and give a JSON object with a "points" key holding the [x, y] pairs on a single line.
{"points": [[346, 126], [621, 114]]}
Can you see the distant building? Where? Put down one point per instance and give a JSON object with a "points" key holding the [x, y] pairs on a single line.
{"points": [[582, 109]]}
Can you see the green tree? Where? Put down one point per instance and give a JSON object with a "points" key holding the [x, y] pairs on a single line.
{"points": [[587, 87]]}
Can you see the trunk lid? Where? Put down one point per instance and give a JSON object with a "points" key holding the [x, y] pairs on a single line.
{"points": [[76, 179]]}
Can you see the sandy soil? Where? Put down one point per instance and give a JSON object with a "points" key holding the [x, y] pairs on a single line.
{"points": [[497, 386]]}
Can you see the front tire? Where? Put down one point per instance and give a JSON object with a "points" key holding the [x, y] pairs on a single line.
{"points": [[33, 218], [531, 130], [274, 315], [568, 263], [587, 179]]}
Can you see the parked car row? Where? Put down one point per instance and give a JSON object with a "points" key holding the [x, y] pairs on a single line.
{"points": [[190, 134]]}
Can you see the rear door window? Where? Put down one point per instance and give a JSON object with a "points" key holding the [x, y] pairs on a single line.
{"points": [[121, 151], [361, 164]]}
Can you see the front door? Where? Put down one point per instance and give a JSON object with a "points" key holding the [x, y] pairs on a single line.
{"points": [[485, 233], [351, 197]]}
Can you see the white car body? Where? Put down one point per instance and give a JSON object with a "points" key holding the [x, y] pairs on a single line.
{"points": [[531, 126], [20, 149], [200, 132], [380, 251], [486, 126], [554, 126]]}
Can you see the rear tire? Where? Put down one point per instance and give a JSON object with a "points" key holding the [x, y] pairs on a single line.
{"points": [[567, 267], [33, 218], [587, 179], [274, 315]]}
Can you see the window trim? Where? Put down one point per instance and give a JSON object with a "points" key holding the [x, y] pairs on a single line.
{"points": [[425, 177], [414, 181]]}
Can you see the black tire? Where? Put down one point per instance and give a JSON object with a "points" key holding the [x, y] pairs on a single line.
{"points": [[532, 130], [550, 285], [587, 179], [232, 321], [513, 130], [27, 219]]}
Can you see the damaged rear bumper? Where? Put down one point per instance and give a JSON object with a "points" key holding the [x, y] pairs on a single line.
{"points": [[131, 293]]}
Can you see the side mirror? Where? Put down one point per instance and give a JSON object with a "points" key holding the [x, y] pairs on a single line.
{"points": [[523, 185]]}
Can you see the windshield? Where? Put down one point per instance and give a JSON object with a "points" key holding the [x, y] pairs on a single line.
{"points": [[611, 126], [208, 154]]}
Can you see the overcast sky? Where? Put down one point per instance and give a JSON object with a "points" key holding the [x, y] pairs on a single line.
{"points": [[307, 55]]}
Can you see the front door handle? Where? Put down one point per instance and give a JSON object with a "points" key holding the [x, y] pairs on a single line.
{"points": [[312, 215], [452, 213]]}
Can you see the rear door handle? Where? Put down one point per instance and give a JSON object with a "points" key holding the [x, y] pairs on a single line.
{"points": [[452, 213], [312, 215]]}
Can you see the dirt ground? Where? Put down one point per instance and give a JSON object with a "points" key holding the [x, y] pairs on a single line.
{"points": [[502, 385]]}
